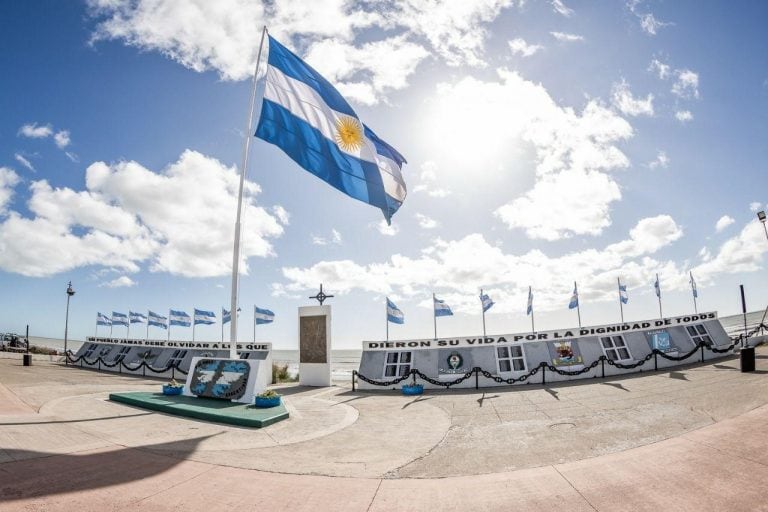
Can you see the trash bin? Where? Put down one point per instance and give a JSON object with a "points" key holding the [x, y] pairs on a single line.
{"points": [[28, 361], [748, 359]]}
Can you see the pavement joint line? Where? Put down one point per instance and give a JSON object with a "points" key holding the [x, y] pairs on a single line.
{"points": [[373, 498], [574, 488], [740, 456], [161, 491]]}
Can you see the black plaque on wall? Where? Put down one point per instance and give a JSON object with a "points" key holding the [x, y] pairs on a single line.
{"points": [[312, 339]]}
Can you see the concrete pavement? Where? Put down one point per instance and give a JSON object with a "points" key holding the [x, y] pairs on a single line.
{"points": [[690, 439]]}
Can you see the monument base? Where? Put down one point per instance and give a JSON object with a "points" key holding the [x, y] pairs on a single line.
{"points": [[315, 374]]}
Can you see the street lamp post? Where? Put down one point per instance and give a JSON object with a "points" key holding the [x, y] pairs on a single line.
{"points": [[70, 293], [761, 217]]}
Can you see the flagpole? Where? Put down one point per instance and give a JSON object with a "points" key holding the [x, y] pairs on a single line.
{"points": [[386, 318], [193, 325], [147, 336], [110, 328], [222, 325], [533, 328], [658, 289], [483, 308], [254, 323], [236, 249], [96, 332], [693, 292], [169, 325], [621, 304], [434, 314], [578, 303], [128, 327]]}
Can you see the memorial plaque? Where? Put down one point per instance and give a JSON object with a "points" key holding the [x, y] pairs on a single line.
{"points": [[312, 339], [220, 378]]}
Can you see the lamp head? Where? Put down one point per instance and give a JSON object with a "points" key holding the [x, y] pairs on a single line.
{"points": [[70, 291], [761, 216]]}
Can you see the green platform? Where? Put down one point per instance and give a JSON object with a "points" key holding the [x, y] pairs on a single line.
{"points": [[208, 409]]}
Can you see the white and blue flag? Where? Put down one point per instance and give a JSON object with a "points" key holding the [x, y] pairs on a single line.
{"points": [[623, 296], [119, 318], [306, 117], [179, 318], [263, 316], [529, 310], [486, 301], [441, 308], [102, 319], [226, 316], [204, 317], [574, 298], [157, 320], [394, 314], [657, 286], [137, 318], [693, 287]]}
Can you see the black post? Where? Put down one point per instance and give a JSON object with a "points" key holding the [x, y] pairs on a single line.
{"points": [[744, 311], [173, 372], [602, 365], [543, 372], [655, 360], [144, 369], [26, 338], [99, 360], [477, 377], [702, 352], [354, 373]]}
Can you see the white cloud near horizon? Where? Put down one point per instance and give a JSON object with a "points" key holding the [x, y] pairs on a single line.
{"points": [[130, 217], [623, 100], [120, 282]]}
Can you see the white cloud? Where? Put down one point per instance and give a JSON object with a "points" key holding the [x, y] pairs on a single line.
{"points": [[428, 178], [648, 22], [8, 180], [426, 222], [72, 157], [687, 84], [565, 37], [129, 216], [282, 214], [335, 238], [389, 230], [33, 131], [622, 99], [741, 253], [24, 162], [661, 161], [61, 138], [684, 116], [460, 265], [704, 254], [521, 47], [120, 282], [559, 7], [661, 69], [754, 206], [723, 222]]}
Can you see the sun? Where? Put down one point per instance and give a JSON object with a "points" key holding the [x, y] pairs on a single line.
{"points": [[349, 134]]}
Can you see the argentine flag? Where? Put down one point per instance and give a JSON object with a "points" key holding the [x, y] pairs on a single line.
{"points": [[137, 318], [263, 316], [530, 301], [204, 317], [657, 286], [102, 319], [307, 118], [226, 316], [394, 314], [441, 308], [119, 319], [623, 293], [693, 287], [486, 301], [574, 298], [180, 318], [157, 320]]}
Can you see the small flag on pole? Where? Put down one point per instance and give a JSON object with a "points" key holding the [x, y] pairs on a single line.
{"points": [[102, 319], [157, 320], [226, 316], [623, 293], [529, 310], [693, 287], [119, 319], [394, 314], [312, 123], [180, 318], [441, 308], [487, 302], [657, 287], [263, 316], [204, 317], [574, 298], [137, 318]]}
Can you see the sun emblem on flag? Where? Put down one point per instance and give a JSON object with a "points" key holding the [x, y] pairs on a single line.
{"points": [[349, 134]]}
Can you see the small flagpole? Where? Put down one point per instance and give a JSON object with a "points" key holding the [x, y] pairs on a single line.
{"points": [[222, 325], [661, 315], [434, 314], [621, 303], [110, 328], [169, 325], [578, 303], [96, 332], [193, 325], [236, 250], [482, 308], [386, 317], [254, 323], [693, 292], [147, 336], [128, 327], [533, 328]]}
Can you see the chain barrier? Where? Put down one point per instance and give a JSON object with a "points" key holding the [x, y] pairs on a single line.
{"points": [[99, 360]]}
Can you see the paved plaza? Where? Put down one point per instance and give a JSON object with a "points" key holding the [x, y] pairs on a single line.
{"points": [[688, 439]]}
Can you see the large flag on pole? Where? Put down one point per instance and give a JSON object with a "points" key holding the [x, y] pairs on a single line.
{"points": [[305, 116], [486, 301], [623, 296], [263, 316], [442, 309], [157, 320], [226, 316], [529, 310], [204, 317], [137, 318], [657, 286], [180, 318], [102, 319], [394, 314], [574, 298], [119, 318], [693, 287]]}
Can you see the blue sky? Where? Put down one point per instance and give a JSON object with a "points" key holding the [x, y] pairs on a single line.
{"points": [[547, 142]]}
